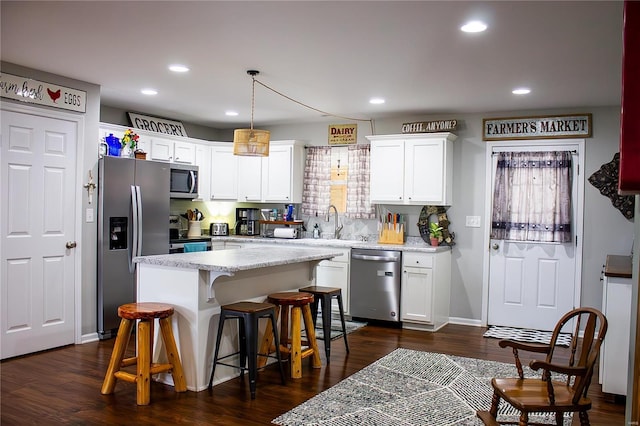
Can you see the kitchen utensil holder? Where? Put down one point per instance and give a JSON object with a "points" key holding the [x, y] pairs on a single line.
{"points": [[195, 230]]}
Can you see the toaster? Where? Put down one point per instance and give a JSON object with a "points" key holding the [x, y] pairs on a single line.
{"points": [[218, 229]]}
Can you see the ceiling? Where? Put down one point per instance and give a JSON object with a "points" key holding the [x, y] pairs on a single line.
{"points": [[330, 55]]}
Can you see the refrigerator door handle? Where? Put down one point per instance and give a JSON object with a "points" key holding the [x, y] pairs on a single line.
{"points": [[134, 223], [139, 234]]}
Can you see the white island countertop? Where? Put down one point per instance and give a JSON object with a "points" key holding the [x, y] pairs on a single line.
{"points": [[230, 261]]}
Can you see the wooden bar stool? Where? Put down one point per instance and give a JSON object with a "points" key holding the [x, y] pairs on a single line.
{"points": [[298, 304], [248, 313], [146, 313], [324, 295]]}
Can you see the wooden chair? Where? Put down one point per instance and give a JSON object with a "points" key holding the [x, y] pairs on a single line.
{"points": [[547, 395]]}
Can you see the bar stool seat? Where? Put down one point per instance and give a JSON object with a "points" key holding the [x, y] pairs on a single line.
{"points": [[296, 304], [145, 313], [323, 296], [248, 313]]}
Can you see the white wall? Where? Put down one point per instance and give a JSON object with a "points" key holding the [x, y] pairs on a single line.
{"points": [[606, 230]]}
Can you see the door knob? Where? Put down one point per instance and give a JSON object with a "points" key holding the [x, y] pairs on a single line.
{"points": [[71, 244], [495, 246]]}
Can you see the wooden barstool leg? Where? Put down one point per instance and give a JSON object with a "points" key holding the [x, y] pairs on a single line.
{"points": [[122, 339], [296, 343], [143, 381], [311, 335], [267, 341], [179, 382]]}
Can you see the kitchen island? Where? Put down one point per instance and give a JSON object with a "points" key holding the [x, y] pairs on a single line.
{"points": [[197, 284]]}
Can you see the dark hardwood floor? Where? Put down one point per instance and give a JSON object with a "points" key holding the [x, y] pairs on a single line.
{"points": [[62, 386]]}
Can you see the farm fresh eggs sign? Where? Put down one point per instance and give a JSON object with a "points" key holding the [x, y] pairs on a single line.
{"points": [[42, 93]]}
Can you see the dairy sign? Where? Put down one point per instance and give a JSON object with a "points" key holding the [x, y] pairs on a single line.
{"points": [[343, 134], [42, 93], [540, 127]]}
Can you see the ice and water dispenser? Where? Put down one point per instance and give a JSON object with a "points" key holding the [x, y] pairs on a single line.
{"points": [[118, 233]]}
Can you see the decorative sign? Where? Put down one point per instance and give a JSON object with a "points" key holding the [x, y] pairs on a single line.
{"points": [[343, 134], [542, 127], [430, 126], [158, 125], [42, 93]]}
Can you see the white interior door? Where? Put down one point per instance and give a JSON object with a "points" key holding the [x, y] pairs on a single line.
{"points": [[531, 285], [37, 217]]}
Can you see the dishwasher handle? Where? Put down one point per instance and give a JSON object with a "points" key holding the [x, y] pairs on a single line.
{"points": [[373, 258]]}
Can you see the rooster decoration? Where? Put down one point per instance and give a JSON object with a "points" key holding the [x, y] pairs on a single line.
{"points": [[53, 95]]}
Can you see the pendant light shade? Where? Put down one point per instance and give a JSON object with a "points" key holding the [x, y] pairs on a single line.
{"points": [[251, 142]]}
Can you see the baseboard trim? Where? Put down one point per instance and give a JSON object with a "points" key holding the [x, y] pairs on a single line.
{"points": [[88, 338], [465, 321]]}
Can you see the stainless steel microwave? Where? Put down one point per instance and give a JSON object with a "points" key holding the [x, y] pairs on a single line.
{"points": [[184, 181]]}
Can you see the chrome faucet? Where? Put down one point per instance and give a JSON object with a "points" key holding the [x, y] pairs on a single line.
{"points": [[337, 227]]}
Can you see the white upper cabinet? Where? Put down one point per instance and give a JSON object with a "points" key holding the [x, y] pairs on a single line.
{"points": [[249, 179], [276, 178], [224, 173], [173, 151], [203, 161], [412, 168], [184, 152], [282, 172], [387, 171]]}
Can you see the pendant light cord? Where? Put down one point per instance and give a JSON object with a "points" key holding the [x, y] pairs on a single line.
{"points": [[253, 98], [306, 106]]}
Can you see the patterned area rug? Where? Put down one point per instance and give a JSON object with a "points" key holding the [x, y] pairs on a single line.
{"points": [[407, 388], [526, 335]]}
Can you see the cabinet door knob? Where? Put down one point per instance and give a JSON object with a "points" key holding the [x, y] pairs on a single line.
{"points": [[70, 244], [495, 246]]}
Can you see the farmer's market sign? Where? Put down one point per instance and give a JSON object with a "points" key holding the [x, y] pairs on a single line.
{"points": [[343, 134], [42, 93], [540, 127], [158, 125], [430, 126]]}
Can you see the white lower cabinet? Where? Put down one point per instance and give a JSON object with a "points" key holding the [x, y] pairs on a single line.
{"points": [[335, 273], [425, 290], [614, 353]]}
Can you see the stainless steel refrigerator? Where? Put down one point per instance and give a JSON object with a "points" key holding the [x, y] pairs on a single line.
{"points": [[133, 211]]}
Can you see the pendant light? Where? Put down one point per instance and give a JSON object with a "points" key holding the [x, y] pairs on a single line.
{"points": [[251, 142]]}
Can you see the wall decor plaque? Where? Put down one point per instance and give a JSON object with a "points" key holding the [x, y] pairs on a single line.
{"points": [[42, 93], [538, 127], [158, 125], [430, 126], [343, 134]]}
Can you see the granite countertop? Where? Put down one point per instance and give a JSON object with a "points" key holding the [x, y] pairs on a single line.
{"points": [[411, 245], [239, 260]]}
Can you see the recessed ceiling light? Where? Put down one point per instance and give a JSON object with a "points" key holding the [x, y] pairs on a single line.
{"points": [[473, 27], [178, 68], [231, 113], [149, 92], [376, 101], [521, 91]]}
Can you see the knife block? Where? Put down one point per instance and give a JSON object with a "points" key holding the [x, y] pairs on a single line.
{"points": [[391, 233]]}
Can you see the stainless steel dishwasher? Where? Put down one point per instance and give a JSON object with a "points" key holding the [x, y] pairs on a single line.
{"points": [[375, 284]]}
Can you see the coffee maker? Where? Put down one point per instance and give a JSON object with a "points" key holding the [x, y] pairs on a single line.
{"points": [[247, 221]]}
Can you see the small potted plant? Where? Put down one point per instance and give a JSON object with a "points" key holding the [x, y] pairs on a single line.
{"points": [[435, 233]]}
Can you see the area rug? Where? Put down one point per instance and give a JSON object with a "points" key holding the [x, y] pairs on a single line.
{"points": [[336, 327], [407, 388], [526, 335]]}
